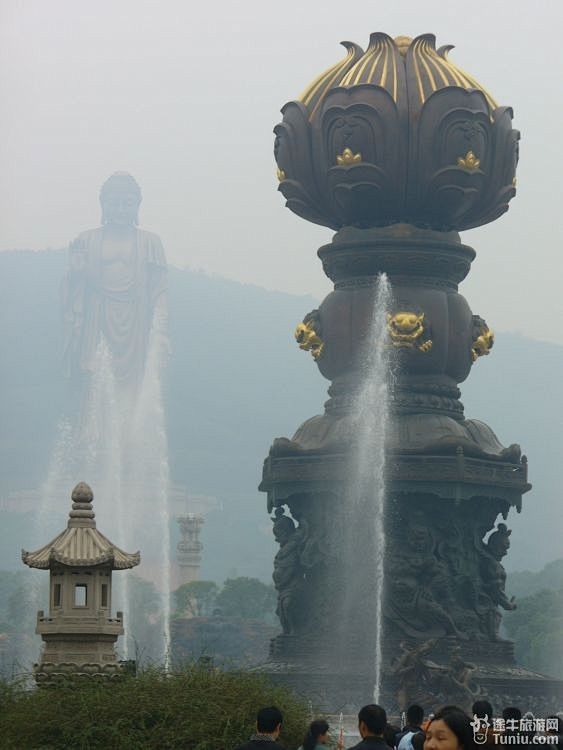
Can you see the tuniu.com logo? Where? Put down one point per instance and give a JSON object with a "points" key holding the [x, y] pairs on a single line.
{"points": [[527, 731], [480, 729]]}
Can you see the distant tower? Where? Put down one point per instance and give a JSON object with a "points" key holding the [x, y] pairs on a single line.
{"points": [[79, 633], [189, 547]]}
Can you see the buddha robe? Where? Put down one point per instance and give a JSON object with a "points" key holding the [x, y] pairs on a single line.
{"points": [[113, 300]]}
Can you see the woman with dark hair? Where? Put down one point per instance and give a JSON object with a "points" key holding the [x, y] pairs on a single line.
{"points": [[449, 729], [317, 736]]}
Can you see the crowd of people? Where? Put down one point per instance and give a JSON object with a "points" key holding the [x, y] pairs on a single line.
{"points": [[451, 728]]}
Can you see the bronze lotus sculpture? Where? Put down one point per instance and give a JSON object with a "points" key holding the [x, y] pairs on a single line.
{"points": [[397, 133], [398, 150]]}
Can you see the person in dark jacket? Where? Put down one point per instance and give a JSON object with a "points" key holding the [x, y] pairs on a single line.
{"points": [[415, 716], [372, 721], [268, 727], [391, 731]]}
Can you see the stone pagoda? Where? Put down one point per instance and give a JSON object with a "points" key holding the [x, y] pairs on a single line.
{"points": [[397, 149], [79, 632], [189, 548]]}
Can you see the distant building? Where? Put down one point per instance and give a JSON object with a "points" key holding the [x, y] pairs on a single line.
{"points": [[189, 548], [189, 511]]}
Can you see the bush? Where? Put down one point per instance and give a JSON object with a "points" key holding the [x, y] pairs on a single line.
{"points": [[194, 709]]}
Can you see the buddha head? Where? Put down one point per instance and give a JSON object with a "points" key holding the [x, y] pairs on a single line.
{"points": [[120, 198]]}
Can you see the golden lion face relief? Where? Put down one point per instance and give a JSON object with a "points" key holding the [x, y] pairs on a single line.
{"points": [[309, 340], [405, 325], [406, 329], [482, 340], [483, 344]]}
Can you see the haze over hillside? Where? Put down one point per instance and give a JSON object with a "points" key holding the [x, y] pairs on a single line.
{"points": [[236, 380]]}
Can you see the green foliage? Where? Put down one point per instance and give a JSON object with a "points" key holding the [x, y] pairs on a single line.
{"points": [[536, 626], [247, 598], [526, 582], [196, 599], [537, 630], [195, 709], [243, 598]]}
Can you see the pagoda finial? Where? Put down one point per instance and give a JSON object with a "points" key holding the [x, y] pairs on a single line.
{"points": [[82, 513]]}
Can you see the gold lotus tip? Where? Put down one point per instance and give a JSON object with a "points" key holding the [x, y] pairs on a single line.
{"points": [[348, 157], [469, 162], [403, 43]]}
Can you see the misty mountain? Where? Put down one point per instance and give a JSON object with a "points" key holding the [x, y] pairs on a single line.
{"points": [[235, 380]]}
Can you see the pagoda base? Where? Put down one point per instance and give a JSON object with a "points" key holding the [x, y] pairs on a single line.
{"points": [[48, 673]]}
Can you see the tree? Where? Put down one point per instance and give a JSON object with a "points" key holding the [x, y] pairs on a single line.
{"points": [[537, 630], [525, 582], [196, 599], [247, 598]]}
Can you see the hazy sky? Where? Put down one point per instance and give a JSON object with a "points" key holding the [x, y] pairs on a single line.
{"points": [[184, 95]]}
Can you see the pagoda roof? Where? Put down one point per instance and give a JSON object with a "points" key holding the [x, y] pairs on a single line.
{"points": [[81, 544]]}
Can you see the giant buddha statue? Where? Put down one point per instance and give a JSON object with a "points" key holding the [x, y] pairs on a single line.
{"points": [[114, 287]]}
